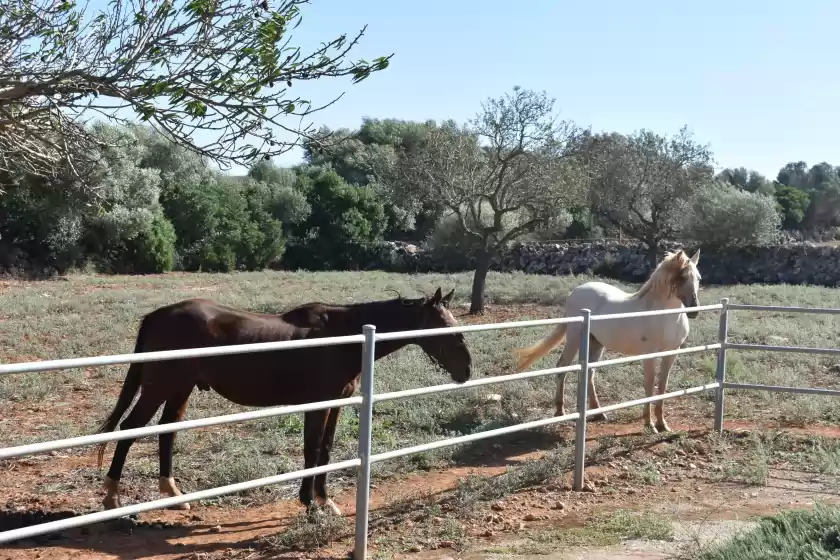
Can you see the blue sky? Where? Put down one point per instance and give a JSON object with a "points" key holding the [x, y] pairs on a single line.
{"points": [[757, 80]]}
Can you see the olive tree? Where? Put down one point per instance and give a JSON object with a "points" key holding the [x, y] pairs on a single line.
{"points": [[644, 183], [212, 75], [510, 170], [724, 215]]}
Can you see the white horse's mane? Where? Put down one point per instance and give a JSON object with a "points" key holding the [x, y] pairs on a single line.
{"points": [[662, 279]]}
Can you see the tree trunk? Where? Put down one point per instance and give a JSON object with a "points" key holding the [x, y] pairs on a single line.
{"points": [[482, 266], [653, 254]]}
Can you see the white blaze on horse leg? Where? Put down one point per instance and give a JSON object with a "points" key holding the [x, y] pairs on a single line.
{"points": [[650, 376], [329, 504], [112, 493], [168, 488], [664, 371]]}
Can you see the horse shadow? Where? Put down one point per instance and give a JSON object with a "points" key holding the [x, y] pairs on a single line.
{"points": [[128, 538]]}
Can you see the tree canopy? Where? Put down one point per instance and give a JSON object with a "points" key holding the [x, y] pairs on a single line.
{"points": [[214, 76]]}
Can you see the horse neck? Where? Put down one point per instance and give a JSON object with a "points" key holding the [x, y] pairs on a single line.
{"points": [[656, 293], [386, 319]]}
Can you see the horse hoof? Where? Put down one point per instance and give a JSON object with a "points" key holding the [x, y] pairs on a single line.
{"points": [[330, 506], [650, 429], [559, 412], [663, 427], [180, 507], [111, 502], [602, 417]]}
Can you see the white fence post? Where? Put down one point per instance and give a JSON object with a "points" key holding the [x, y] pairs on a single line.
{"points": [[582, 400], [365, 431], [720, 374]]}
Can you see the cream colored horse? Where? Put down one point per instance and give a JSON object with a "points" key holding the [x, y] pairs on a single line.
{"points": [[672, 285]]}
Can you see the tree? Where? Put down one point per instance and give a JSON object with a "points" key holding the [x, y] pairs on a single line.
{"points": [[750, 181], [368, 156], [345, 220], [644, 183], [822, 185], [724, 215], [507, 173], [223, 68], [793, 204]]}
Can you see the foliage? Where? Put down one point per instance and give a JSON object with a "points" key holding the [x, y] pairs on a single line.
{"points": [[184, 66], [503, 175], [750, 181], [644, 183], [793, 205], [222, 226], [790, 534], [344, 222], [369, 156], [822, 184], [723, 215]]}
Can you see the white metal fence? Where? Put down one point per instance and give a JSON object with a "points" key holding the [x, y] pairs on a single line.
{"points": [[365, 459]]}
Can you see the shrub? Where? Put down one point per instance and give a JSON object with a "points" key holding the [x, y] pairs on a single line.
{"points": [[344, 223], [722, 215]]}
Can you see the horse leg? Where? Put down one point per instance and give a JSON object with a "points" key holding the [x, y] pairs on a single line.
{"points": [[659, 408], [596, 350], [173, 411], [650, 377], [145, 408], [570, 351], [324, 458], [314, 424]]}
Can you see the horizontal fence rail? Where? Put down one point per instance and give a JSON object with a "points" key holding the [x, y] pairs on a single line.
{"points": [[163, 503], [94, 439], [779, 309], [368, 398], [788, 349], [783, 389]]}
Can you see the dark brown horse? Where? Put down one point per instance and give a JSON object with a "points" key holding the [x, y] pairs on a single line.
{"points": [[283, 377]]}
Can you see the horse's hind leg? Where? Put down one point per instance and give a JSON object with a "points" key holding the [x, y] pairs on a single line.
{"points": [[314, 425], [173, 411], [659, 407], [143, 411], [324, 458], [568, 356], [596, 350]]}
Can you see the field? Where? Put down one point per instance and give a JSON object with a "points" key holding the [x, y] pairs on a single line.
{"points": [[498, 497]]}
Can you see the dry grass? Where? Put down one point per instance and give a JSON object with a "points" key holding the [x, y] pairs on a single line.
{"points": [[89, 315]]}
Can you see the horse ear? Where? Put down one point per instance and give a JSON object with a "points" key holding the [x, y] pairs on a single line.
{"points": [[436, 298], [447, 299], [696, 257]]}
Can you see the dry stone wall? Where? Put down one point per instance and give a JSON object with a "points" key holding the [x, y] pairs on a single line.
{"points": [[800, 263]]}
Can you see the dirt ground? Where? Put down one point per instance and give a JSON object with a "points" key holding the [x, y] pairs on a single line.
{"points": [[689, 494], [687, 498]]}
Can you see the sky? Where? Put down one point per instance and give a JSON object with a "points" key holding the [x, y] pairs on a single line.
{"points": [[757, 80]]}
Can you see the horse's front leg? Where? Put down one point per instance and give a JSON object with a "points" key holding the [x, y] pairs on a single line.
{"points": [[314, 424], [324, 458], [659, 407], [596, 351], [650, 378]]}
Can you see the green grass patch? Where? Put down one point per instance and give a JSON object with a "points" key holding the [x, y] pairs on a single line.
{"points": [[791, 535]]}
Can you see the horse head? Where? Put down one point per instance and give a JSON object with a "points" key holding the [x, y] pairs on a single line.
{"points": [[686, 281], [449, 351]]}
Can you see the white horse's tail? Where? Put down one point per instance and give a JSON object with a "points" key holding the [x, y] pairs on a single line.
{"points": [[528, 356]]}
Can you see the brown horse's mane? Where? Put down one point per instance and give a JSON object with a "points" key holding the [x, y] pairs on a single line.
{"points": [[355, 305]]}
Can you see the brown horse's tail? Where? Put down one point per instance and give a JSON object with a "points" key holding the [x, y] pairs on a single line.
{"points": [[129, 390], [531, 354]]}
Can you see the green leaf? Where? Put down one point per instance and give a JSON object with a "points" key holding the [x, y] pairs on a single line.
{"points": [[290, 108]]}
